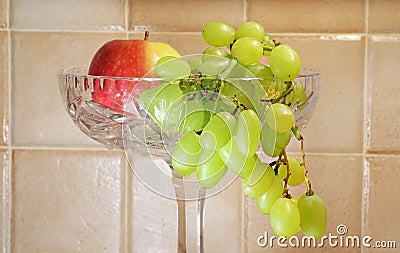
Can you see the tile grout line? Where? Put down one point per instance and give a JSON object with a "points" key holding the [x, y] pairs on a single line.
{"points": [[8, 206], [245, 8], [47, 30], [90, 149], [126, 233], [128, 207], [127, 31], [127, 12], [244, 222], [51, 148], [365, 178]]}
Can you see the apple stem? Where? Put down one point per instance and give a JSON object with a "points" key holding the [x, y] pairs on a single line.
{"points": [[146, 35]]}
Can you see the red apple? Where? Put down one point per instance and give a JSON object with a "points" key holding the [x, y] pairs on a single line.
{"points": [[124, 58]]}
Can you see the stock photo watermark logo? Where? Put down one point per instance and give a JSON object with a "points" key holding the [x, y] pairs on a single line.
{"points": [[341, 239]]}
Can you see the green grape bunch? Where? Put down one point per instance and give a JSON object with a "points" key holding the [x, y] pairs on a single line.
{"points": [[229, 110]]}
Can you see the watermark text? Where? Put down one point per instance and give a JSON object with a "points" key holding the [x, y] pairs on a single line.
{"points": [[340, 239]]}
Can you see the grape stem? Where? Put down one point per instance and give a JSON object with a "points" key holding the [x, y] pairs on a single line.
{"points": [[289, 88], [238, 105], [277, 43], [202, 83], [286, 193], [273, 163], [299, 137], [277, 164]]}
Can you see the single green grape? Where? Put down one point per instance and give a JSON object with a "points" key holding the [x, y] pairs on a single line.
{"points": [[194, 121], [279, 118], [250, 29], [194, 62], [260, 70], [210, 172], [213, 65], [172, 68], [266, 201], [235, 161], [259, 181], [297, 171], [157, 101], [218, 34], [297, 96], [302, 97], [193, 116], [164, 59], [186, 114], [272, 142], [295, 199], [284, 217], [313, 215], [247, 50], [186, 154], [268, 44], [229, 90], [218, 131], [285, 62], [217, 51], [273, 87], [248, 132]]}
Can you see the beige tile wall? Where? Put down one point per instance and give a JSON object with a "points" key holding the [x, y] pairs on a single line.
{"points": [[62, 192], [380, 205], [4, 89], [75, 15], [5, 198], [3, 14], [383, 75], [309, 16], [68, 201], [181, 15], [39, 56]]}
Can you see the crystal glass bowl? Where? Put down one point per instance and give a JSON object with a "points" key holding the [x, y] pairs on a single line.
{"points": [[134, 130], [104, 124]]}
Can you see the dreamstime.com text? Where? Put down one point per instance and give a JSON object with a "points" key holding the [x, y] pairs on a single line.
{"points": [[339, 240]]}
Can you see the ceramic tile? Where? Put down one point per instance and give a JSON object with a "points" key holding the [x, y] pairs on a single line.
{"points": [[154, 217], [384, 16], [178, 41], [67, 201], [4, 100], [336, 124], [381, 207], [338, 180], [80, 15], [308, 16], [223, 220], [4, 197], [3, 14], [39, 117], [183, 16], [383, 75]]}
